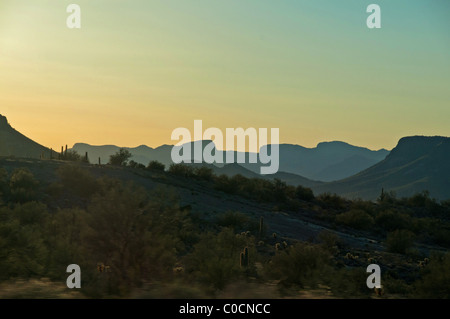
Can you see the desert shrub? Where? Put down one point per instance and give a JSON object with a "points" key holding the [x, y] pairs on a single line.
{"points": [[441, 235], [23, 185], [279, 190], [22, 250], [215, 259], [233, 220], [4, 187], [204, 173], [126, 232], [422, 199], [350, 283], [332, 200], [31, 213], [435, 280], [301, 265], [391, 220], [400, 241], [329, 241], [304, 193], [78, 180], [63, 236], [396, 286], [181, 170], [120, 158], [72, 156], [222, 183], [387, 198], [134, 164], [445, 203], [367, 206], [155, 165], [355, 218]]}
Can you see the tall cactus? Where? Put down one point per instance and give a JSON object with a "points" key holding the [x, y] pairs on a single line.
{"points": [[244, 258]]}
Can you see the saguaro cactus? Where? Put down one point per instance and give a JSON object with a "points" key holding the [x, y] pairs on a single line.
{"points": [[244, 258]]}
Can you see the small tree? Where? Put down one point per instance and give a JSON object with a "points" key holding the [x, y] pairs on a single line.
{"points": [[304, 193], [155, 165], [120, 158], [204, 173], [23, 185], [400, 241]]}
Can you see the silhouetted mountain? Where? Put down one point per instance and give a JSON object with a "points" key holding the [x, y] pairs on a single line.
{"points": [[144, 154], [416, 164], [328, 161], [141, 154], [13, 143]]}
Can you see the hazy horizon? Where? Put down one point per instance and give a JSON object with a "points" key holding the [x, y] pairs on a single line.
{"points": [[135, 71]]}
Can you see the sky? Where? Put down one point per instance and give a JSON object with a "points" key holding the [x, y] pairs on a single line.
{"points": [[137, 70]]}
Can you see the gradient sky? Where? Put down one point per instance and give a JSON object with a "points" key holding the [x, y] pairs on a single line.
{"points": [[139, 69]]}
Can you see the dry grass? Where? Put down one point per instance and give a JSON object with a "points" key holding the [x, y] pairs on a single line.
{"points": [[36, 289]]}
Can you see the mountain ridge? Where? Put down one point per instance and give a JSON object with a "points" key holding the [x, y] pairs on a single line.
{"points": [[312, 163], [14, 143], [416, 164]]}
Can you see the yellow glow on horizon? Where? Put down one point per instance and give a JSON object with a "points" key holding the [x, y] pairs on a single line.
{"points": [[136, 71]]}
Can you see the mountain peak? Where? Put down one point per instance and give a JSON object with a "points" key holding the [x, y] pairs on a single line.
{"points": [[412, 147], [333, 144], [4, 122]]}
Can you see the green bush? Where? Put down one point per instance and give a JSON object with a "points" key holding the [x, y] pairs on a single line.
{"points": [[127, 232], [332, 201], [23, 185], [350, 283], [329, 241], [233, 220], [355, 218], [204, 173], [422, 199], [120, 158], [78, 180], [435, 280], [301, 264], [181, 170], [215, 259], [400, 241], [134, 164], [73, 156], [22, 250], [4, 183], [31, 213], [390, 220], [304, 193], [157, 166]]}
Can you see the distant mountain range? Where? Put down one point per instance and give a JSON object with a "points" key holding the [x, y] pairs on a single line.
{"points": [[416, 164], [327, 162]]}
